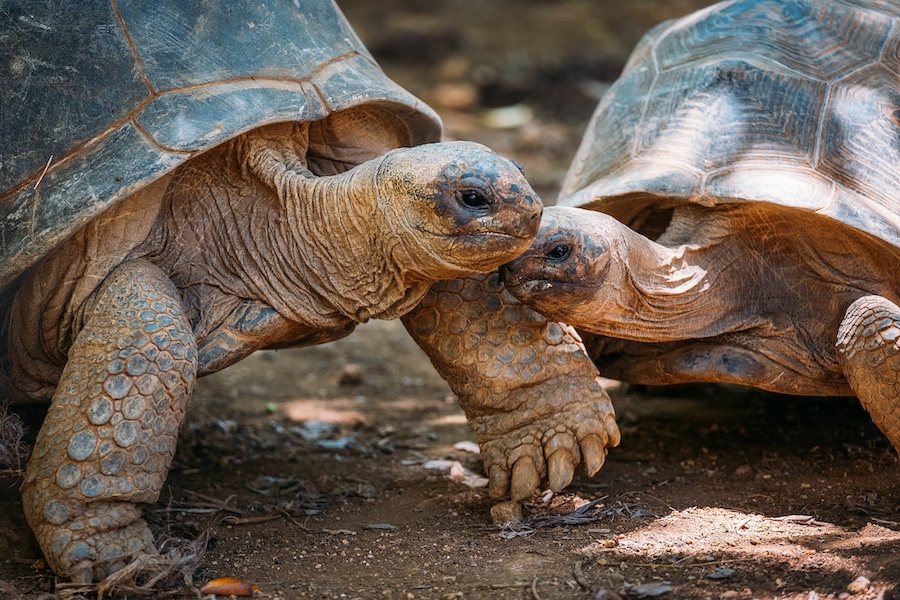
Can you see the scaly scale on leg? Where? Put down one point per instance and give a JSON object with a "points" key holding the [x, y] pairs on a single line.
{"points": [[109, 437], [868, 344]]}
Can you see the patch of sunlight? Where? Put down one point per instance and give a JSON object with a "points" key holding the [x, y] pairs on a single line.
{"points": [[710, 536], [336, 410], [456, 419]]}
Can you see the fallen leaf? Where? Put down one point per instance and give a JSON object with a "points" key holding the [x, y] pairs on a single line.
{"points": [[229, 586]]}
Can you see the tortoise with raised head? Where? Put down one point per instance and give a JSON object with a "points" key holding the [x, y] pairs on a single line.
{"points": [[733, 213], [185, 184]]}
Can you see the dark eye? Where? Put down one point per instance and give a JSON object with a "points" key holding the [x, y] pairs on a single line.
{"points": [[474, 199], [559, 252]]}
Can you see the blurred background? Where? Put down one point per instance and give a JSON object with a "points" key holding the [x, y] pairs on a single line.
{"points": [[521, 76]]}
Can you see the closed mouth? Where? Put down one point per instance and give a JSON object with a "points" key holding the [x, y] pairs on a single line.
{"points": [[538, 285], [535, 287], [506, 235]]}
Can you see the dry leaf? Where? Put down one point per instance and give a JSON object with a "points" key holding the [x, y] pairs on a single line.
{"points": [[229, 586]]}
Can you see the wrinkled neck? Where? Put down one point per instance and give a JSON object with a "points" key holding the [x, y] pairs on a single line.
{"points": [[660, 293], [310, 247], [666, 278], [338, 249]]}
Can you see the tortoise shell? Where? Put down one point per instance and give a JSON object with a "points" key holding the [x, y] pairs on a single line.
{"points": [[100, 99], [722, 107]]}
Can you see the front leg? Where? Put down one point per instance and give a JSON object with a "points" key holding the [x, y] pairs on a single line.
{"points": [[109, 437], [526, 385], [868, 345]]}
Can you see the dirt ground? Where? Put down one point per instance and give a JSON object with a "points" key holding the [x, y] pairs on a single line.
{"points": [[324, 472]]}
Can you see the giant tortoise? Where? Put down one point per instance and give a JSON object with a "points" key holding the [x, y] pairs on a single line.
{"points": [[185, 183], [733, 213]]}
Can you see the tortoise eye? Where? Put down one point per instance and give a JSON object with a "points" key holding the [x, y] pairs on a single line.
{"points": [[474, 199], [560, 252]]}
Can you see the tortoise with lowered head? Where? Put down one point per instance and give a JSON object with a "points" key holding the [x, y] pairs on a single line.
{"points": [[733, 213], [185, 184]]}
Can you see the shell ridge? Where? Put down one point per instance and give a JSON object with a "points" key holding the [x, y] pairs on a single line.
{"points": [[884, 45], [134, 51], [820, 128], [645, 102]]}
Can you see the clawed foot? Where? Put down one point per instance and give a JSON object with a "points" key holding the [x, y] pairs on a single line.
{"points": [[547, 436], [527, 386], [96, 543], [108, 554]]}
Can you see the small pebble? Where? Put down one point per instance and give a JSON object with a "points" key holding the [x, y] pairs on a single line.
{"points": [[458, 96], [649, 590], [743, 470], [506, 512], [859, 585], [467, 446], [721, 573], [508, 117], [351, 374]]}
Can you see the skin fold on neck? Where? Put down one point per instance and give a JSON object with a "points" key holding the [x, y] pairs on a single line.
{"points": [[668, 291], [282, 244]]}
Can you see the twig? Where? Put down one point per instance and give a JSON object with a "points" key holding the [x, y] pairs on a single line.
{"points": [[210, 503], [232, 520], [660, 500], [11, 592], [215, 501], [35, 198], [534, 592], [579, 575], [295, 521]]}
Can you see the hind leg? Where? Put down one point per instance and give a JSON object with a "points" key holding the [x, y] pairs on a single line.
{"points": [[109, 438], [868, 345]]}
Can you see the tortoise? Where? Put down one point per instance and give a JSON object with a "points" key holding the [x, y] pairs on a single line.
{"points": [[184, 184], [733, 212]]}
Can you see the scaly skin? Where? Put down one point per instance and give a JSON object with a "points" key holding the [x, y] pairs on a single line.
{"points": [[868, 345], [526, 384], [109, 437]]}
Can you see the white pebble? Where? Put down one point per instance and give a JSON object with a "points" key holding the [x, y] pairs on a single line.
{"points": [[858, 585]]}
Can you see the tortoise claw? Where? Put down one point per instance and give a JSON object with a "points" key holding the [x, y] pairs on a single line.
{"points": [[551, 444], [560, 469], [593, 453], [525, 479], [498, 482]]}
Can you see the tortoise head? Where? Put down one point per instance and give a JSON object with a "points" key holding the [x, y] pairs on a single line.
{"points": [[573, 265], [595, 273], [458, 207]]}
